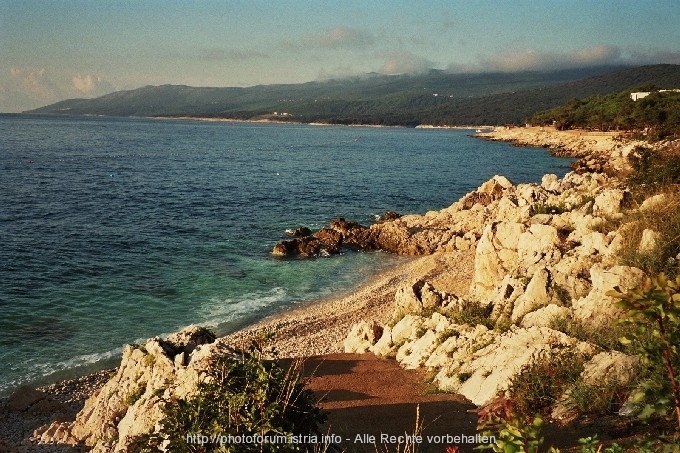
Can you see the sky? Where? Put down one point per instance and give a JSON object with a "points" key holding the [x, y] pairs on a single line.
{"points": [[58, 49]]}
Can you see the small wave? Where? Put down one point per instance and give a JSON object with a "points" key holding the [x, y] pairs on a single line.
{"points": [[220, 311], [41, 372]]}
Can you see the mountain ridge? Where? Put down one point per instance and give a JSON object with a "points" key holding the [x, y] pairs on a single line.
{"points": [[436, 97]]}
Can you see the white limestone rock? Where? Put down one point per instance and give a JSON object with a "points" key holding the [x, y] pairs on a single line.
{"points": [[654, 203], [458, 346], [492, 368], [550, 182], [598, 308], [535, 295], [649, 241], [538, 247], [407, 298], [504, 297], [543, 317], [610, 366], [437, 322], [384, 346], [488, 269], [360, 338], [608, 202], [128, 405], [407, 328], [413, 354]]}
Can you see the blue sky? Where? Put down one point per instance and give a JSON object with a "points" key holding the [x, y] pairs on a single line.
{"points": [[52, 50]]}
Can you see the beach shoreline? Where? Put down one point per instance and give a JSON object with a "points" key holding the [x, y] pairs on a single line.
{"points": [[319, 327], [315, 329]]}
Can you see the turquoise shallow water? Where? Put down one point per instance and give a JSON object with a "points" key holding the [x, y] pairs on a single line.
{"points": [[116, 230]]}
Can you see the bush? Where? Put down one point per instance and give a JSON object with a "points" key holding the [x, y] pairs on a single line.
{"points": [[653, 169], [654, 312], [243, 395], [542, 208], [598, 399], [472, 313], [605, 336], [541, 384]]}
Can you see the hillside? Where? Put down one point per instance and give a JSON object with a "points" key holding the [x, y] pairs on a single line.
{"points": [[656, 115], [436, 97]]}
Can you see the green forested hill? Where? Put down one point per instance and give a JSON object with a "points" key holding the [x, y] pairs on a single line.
{"points": [[437, 98], [658, 114]]}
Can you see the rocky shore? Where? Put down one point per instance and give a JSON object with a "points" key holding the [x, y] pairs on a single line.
{"points": [[491, 280]]}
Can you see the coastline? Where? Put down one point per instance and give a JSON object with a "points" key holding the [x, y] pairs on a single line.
{"points": [[570, 143], [314, 329], [301, 123], [319, 328]]}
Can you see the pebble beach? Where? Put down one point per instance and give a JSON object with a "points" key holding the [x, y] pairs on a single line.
{"points": [[316, 329]]}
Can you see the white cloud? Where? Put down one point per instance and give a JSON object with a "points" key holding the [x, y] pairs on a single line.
{"points": [[534, 60], [340, 37], [91, 85], [405, 62], [87, 84], [34, 83], [28, 88]]}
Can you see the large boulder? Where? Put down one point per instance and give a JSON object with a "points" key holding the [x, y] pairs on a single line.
{"points": [[508, 248], [489, 371], [596, 307], [612, 368], [488, 267], [535, 296], [420, 294], [362, 337], [609, 201]]}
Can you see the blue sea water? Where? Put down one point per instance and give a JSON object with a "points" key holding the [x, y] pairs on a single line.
{"points": [[113, 230]]}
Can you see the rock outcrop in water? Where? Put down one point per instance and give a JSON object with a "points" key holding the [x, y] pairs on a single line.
{"points": [[330, 240]]}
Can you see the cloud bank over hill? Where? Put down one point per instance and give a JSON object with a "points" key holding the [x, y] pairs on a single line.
{"points": [[37, 86], [88, 49]]}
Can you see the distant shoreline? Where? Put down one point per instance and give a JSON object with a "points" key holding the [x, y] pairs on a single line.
{"points": [[273, 121]]}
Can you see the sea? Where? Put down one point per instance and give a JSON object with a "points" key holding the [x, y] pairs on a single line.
{"points": [[115, 230]]}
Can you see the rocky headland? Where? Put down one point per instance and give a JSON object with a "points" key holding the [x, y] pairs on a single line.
{"points": [[499, 281]]}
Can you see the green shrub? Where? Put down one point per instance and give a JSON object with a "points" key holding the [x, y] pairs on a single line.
{"points": [[654, 312], [542, 208], [604, 336], [510, 432], [653, 169], [462, 377], [243, 395], [541, 383], [598, 399], [134, 396], [472, 313]]}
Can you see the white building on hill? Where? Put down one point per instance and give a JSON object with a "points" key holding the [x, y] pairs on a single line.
{"points": [[644, 94]]}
